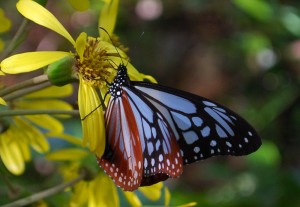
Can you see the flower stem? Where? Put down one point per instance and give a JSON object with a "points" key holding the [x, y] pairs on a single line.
{"points": [[25, 91], [17, 39], [36, 112], [27, 83], [3, 176], [45, 193]]}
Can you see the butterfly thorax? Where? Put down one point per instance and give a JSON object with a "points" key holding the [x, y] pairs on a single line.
{"points": [[115, 88]]}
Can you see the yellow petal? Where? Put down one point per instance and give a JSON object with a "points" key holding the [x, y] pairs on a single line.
{"points": [[149, 78], [107, 18], [167, 196], [81, 5], [191, 204], [43, 104], [32, 135], [2, 102], [80, 44], [80, 194], [1, 73], [10, 153], [5, 23], [67, 154], [107, 197], [47, 122], [38, 14], [134, 74], [52, 92], [25, 150], [152, 192], [133, 199], [93, 118], [30, 61]]}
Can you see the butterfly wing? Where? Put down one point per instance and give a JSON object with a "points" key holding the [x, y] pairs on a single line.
{"points": [[202, 128], [140, 143], [160, 150], [122, 159]]}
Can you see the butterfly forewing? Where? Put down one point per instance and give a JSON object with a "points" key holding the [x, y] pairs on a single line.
{"points": [[202, 128]]}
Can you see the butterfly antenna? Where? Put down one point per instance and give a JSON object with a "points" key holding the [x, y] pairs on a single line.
{"points": [[112, 43], [140, 37], [102, 100], [114, 65]]}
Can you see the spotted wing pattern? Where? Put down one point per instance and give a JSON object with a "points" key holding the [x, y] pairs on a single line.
{"points": [[153, 130], [141, 148], [202, 128]]}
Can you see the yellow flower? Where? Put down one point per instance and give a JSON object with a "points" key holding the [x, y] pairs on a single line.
{"points": [[93, 64], [21, 133], [151, 192], [15, 143], [96, 190], [5, 25], [81, 5]]}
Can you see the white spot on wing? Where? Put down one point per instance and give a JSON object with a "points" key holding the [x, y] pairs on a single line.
{"points": [[205, 131], [197, 121], [154, 132], [228, 144], [150, 147], [160, 157], [182, 121], [220, 132], [147, 129], [152, 162], [213, 143], [190, 137], [197, 149], [157, 145]]}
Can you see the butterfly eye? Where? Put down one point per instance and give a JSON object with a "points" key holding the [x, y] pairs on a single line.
{"points": [[153, 130]]}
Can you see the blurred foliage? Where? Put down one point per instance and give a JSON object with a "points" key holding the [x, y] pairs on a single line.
{"points": [[244, 54]]}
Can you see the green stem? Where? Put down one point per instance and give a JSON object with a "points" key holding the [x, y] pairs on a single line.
{"points": [[14, 43], [37, 112], [25, 91], [45, 193], [27, 83], [7, 182]]}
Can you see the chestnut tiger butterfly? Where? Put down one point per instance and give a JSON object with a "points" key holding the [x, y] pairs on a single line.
{"points": [[153, 130]]}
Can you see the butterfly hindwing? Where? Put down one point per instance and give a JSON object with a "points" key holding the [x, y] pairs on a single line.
{"points": [[122, 159], [202, 128], [160, 151], [141, 148]]}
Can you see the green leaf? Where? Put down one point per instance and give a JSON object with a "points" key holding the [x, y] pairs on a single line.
{"points": [[258, 9]]}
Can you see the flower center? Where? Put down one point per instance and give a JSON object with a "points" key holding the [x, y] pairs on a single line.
{"points": [[94, 67]]}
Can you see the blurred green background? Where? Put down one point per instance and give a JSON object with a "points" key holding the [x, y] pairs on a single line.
{"points": [[243, 54]]}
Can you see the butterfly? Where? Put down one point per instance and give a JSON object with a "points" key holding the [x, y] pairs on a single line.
{"points": [[153, 131]]}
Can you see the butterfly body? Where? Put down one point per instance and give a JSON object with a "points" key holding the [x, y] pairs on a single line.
{"points": [[153, 130]]}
